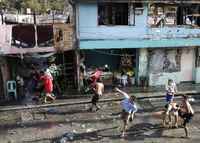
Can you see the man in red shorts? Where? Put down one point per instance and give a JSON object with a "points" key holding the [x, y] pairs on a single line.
{"points": [[48, 85]]}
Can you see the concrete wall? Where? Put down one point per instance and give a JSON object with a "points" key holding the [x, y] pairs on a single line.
{"points": [[143, 63], [89, 28], [162, 78], [186, 72], [187, 64], [197, 75]]}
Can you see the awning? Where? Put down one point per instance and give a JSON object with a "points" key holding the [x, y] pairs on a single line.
{"points": [[136, 43]]}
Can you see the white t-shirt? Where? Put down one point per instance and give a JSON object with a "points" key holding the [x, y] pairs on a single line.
{"points": [[171, 88]]}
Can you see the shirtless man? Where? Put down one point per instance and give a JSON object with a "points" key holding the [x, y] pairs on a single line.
{"points": [[186, 112], [128, 109], [171, 111], [98, 91]]}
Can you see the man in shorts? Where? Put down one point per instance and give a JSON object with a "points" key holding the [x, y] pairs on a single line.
{"points": [[186, 112], [171, 89], [128, 109], [48, 86], [98, 91], [171, 111]]}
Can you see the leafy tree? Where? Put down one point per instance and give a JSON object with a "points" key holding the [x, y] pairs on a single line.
{"points": [[3, 4], [18, 5], [34, 5], [57, 5]]}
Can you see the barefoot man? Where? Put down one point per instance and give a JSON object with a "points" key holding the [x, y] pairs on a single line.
{"points": [[128, 109], [98, 91], [186, 113]]}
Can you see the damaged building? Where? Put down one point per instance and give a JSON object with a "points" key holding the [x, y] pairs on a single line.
{"points": [[28, 48], [144, 42], [151, 41]]}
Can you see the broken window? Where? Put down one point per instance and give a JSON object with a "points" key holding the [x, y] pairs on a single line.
{"points": [[113, 14], [45, 35], [170, 15], [160, 15], [138, 7], [23, 36], [188, 15]]}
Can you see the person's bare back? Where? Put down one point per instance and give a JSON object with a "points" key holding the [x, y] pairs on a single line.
{"points": [[99, 89]]}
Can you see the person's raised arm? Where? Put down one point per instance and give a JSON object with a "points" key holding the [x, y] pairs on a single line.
{"points": [[122, 92]]}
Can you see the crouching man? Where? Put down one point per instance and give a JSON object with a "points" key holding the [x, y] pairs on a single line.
{"points": [[128, 109]]}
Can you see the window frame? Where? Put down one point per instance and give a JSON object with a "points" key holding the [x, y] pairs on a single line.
{"points": [[128, 16]]}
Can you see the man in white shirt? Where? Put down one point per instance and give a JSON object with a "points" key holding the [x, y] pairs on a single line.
{"points": [[128, 109], [171, 89]]}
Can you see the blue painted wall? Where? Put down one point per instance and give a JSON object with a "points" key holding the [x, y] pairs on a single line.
{"points": [[89, 28]]}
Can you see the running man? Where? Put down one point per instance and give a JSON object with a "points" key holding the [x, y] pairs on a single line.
{"points": [[48, 86], [98, 91], [186, 112], [128, 109]]}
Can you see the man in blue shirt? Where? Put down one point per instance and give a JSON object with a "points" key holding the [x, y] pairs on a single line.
{"points": [[128, 109]]}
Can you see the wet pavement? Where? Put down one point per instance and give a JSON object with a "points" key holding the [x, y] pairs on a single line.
{"points": [[76, 124]]}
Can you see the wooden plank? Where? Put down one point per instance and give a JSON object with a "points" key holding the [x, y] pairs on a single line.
{"points": [[63, 36]]}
